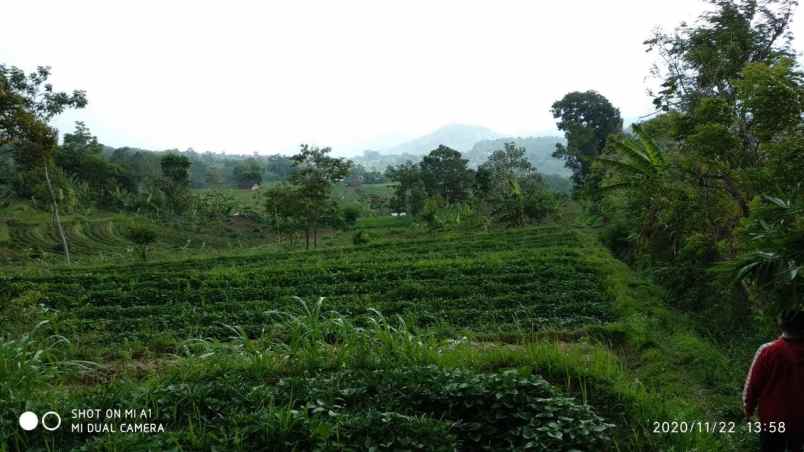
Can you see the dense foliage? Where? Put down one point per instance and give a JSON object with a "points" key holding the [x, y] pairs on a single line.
{"points": [[728, 134], [443, 191]]}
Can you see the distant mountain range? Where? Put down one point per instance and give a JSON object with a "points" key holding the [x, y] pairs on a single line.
{"points": [[460, 137], [538, 151], [474, 142]]}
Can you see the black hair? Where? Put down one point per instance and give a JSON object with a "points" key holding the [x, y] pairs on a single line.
{"points": [[792, 322]]}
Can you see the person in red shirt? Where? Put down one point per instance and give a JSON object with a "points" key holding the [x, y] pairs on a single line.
{"points": [[774, 387]]}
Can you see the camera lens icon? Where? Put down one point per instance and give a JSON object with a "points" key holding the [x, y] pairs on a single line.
{"points": [[50, 421], [29, 420]]}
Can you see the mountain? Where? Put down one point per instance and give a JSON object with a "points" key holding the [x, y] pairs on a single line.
{"points": [[460, 137], [474, 142], [538, 151]]}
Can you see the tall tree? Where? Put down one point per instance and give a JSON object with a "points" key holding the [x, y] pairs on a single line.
{"points": [[285, 210], [587, 119], [732, 85], [704, 59], [315, 174], [176, 168], [730, 100], [81, 156], [176, 180], [446, 174], [248, 173], [502, 166], [409, 193], [512, 188], [27, 104]]}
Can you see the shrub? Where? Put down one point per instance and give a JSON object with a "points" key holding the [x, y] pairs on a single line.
{"points": [[361, 238], [350, 215], [141, 235], [488, 411]]}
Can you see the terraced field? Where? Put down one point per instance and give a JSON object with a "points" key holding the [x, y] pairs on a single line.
{"points": [[102, 240], [523, 281], [440, 339]]}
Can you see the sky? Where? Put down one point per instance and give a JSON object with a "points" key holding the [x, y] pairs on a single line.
{"points": [[265, 76]]}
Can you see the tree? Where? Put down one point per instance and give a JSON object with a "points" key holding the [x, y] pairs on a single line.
{"points": [[409, 193], [639, 161], [638, 167], [729, 124], [278, 167], [587, 119], [284, 210], [214, 205], [143, 236], [350, 215], [176, 168], [706, 58], [771, 259], [732, 80], [81, 156], [176, 180], [446, 174], [214, 177], [502, 166], [27, 104], [248, 173], [315, 174], [511, 188]]}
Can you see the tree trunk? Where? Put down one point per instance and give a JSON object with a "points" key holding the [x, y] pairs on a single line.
{"points": [[307, 239], [315, 237], [731, 188], [56, 216]]}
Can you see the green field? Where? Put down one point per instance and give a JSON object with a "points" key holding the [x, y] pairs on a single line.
{"points": [[254, 199], [529, 338]]}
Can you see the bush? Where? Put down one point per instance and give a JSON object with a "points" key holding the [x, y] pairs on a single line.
{"points": [[361, 238], [141, 235], [350, 215], [488, 411]]}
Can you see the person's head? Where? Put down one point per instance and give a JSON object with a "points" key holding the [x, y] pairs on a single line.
{"points": [[792, 323]]}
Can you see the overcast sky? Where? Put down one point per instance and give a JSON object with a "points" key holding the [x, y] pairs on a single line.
{"points": [[240, 76]]}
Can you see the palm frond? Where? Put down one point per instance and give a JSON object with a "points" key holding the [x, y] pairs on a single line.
{"points": [[636, 156], [652, 150], [622, 166], [618, 186]]}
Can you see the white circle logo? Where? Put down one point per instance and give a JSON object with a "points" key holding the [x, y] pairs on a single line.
{"points": [[58, 421], [28, 420]]}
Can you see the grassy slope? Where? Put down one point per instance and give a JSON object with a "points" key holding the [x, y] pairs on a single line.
{"points": [[27, 234], [643, 363], [255, 200]]}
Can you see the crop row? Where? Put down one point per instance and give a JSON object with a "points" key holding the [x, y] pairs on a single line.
{"points": [[530, 279]]}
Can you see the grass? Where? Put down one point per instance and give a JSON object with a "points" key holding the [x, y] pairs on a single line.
{"points": [[28, 236], [419, 332]]}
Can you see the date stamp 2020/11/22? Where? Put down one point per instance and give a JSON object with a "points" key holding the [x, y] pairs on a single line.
{"points": [[694, 427]]}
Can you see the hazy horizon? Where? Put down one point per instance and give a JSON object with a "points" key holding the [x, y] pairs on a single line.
{"points": [[241, 77]]}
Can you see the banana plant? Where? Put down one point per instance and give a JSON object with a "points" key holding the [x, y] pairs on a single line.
{"points": [[774, 259], [640, 160], [638, 165]]}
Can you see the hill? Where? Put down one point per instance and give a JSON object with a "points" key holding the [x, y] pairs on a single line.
{"points": [[460, 137], [538, 150]]}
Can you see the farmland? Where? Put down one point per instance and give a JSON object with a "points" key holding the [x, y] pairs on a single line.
{"points": [[27, 236], [333, 263], [417, 333]]}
